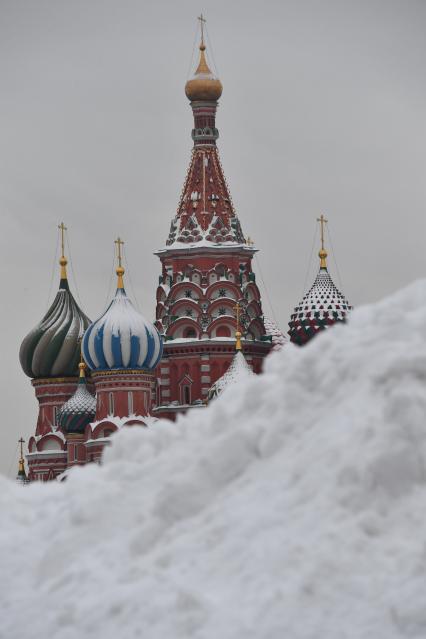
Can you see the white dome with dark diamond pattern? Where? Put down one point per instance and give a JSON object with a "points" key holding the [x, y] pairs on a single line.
{"points": [[321, 307]]}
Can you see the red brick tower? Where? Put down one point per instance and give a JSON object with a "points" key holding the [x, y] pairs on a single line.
{"points": [[206, 271]]}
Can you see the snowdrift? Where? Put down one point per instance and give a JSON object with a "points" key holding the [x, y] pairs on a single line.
{"points": [[294, 507]]}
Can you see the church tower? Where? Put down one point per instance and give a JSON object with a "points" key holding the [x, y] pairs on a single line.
{"points": [[206, 270]]}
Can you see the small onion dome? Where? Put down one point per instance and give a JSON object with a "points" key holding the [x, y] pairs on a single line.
{"points": [[121, 337], [80, 409], [237, 371], [203, 85], [52, 348], [322, 306]]}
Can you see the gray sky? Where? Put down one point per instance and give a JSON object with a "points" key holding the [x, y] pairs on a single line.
{"points": [[322, 111]]}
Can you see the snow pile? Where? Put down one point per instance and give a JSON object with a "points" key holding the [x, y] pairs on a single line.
{"points": [[292, 507]]}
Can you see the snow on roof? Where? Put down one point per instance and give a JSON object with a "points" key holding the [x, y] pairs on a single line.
{"points": [[237, 373], [204, 243], [119, 421], [293, 507], [278, 338]]}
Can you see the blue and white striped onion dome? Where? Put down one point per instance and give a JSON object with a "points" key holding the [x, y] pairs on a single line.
{"points": [[79, 410], [122, 338]]}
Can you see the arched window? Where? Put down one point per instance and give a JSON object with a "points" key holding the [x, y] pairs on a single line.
{"points": [[190, 332], [130, 402], [111, 403], [223, 331]]}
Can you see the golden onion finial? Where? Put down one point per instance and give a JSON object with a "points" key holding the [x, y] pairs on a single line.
{"points": [[63, 260], [322, 253], [119, 270], [21, 463], [203, 85]]}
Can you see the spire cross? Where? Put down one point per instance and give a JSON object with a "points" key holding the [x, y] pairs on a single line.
{"points": [[203, 21], [21, 442], [62, 228], [119, 243], [322, 221], [238, 347], [237, 308]]}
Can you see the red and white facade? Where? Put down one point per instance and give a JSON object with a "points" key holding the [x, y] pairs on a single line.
{"points": [[206, 275]]}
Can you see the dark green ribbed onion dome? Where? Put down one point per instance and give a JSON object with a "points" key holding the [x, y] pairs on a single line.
{"points": [[79, 410], [52, 348]]}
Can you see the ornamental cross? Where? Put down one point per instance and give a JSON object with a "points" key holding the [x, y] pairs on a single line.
{"points": [[237, 308], [21, 442], [203, 21], [62, 228], [119, 243], [322, 221]]}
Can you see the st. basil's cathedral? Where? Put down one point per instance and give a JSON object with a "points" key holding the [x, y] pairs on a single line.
{"points": [[93, 378]]}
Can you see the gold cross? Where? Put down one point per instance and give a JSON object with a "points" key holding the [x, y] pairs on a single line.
{"points": [[237, 308], [21, 441], [322, 221], [62, 228], [202, 20], [119, 243]]}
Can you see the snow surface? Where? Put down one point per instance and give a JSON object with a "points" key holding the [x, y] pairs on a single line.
{"points": [[293, 508]]}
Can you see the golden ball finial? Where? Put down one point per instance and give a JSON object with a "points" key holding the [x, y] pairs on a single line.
{"points": [[203, 85], [63, 264], [323, 257], [82, 368], [120, 273]]}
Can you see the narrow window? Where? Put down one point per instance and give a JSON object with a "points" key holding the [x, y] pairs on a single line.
{"points": [[186, 395], [111, 403], [130, 402]]}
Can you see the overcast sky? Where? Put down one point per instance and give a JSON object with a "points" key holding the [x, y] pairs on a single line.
{"points": [[323, 110]]}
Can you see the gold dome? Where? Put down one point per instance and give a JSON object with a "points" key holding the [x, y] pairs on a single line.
{"points": [[203, 85]]}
